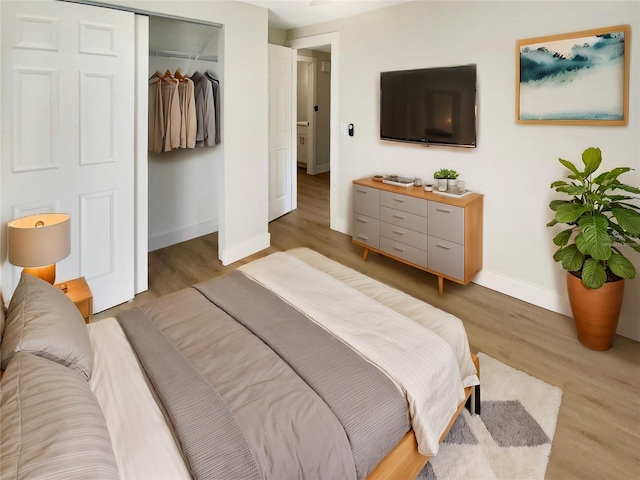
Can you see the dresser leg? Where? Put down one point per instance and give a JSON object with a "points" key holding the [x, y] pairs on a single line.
{"points": [[441, 286], [365, 254]]}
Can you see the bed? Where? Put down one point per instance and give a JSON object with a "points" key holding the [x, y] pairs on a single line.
{"points": [[291, 366]]}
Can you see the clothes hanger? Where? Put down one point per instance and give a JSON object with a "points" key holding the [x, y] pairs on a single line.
{"points": [[182, 78]]}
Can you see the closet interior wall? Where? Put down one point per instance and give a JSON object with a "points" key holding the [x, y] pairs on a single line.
{"points": [[183, 186]]}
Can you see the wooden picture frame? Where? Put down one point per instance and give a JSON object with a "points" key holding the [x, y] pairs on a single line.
{"points": [[579, 78]]}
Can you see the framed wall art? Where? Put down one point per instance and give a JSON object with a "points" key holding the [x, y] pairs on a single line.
{"points": [[579, 78]]}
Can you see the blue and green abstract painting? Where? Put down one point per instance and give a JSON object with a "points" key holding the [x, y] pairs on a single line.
{"points": [[575, 79]]}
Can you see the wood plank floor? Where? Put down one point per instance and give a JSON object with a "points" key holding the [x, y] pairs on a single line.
{"points": [[598, 430]]}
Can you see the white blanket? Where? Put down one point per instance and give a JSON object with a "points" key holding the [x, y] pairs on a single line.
{"points": [[421, 363], [447, 326], [142, 441]]}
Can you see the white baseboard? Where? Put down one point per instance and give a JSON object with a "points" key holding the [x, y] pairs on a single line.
{"points": [[524, 291], [244, 249], [182, 234], [627, 327]]}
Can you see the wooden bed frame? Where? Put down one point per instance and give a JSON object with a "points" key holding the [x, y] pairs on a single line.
{"points": [[404, 461]]}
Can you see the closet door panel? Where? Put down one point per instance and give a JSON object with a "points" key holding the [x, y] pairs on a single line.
{"points": [[97, 116], [67, 122]]}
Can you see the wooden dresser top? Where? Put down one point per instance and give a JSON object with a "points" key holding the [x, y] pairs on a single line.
{"points": [[420, 193]]}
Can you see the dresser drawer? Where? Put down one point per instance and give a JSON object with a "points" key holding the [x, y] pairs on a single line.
{"points": [[446, 257], [366, 200], [403, 219], [446, 222], [365, 230], [403, 235], [404, 251], [397, 201]]}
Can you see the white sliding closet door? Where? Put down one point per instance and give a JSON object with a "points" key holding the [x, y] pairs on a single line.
{"points": [[68, 135], [281, 160]]}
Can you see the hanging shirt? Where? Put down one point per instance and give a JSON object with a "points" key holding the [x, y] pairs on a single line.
{"points": [[205, 111], [188, 113], [215, 85], [172, 115], [156, 117]]}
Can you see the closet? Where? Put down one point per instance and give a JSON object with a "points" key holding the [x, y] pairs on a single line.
{"points": [[183, 183]]}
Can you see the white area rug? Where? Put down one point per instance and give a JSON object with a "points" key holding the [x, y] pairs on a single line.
{"points": [[511, 439]]}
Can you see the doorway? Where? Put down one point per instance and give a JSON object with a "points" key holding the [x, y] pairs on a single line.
{"points": [[330, 43]]}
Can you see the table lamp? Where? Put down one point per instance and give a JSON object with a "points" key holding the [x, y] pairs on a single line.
{"points": [[37, 242]]}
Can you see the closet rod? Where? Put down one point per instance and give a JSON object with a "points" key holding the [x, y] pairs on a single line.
{"points": [[185, 55]]}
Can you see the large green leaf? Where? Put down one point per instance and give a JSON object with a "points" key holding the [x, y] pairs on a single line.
{"points": [[629, 220], [621, 266], [628, 188], [570, 166], [570, 257], [596, 240], [558, 183], [556, 203], [581, 244], [563, 237], [591, 157], [607, 178], [576, 190], [570, 212], [593, 274]]}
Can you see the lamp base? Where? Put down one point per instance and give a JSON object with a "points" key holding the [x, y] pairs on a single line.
{"points": [[46, 273]]}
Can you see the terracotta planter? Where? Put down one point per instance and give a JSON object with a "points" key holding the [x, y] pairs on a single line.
{"points": [[595, 312]]}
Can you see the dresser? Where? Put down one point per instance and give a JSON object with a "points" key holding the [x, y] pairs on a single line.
{"points": [[436, 233]]}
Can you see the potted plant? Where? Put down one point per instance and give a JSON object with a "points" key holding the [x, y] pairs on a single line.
{"points": [[445, 177], [603, 215]]}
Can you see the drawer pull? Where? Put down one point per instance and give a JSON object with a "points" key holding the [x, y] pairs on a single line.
{"points": [[443, 246], [398, 200], [401, 217], [363, 237], [362, 191], [399, 249], [361, 220], [398, 232], [443, 210]]}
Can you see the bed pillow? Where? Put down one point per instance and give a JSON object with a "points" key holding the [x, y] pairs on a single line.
{"points": [[42, 320], [52, 425]]}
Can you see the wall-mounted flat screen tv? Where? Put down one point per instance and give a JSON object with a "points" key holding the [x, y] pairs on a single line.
{"points": [[430, 106]]}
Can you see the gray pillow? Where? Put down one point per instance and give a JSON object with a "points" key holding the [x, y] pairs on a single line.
{"points": [[52, 425], [42, 320]]}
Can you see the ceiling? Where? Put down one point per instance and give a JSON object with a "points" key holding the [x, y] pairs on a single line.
{"points": [[287, 14]]}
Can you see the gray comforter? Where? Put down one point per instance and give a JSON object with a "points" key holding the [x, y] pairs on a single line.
{"points": [[254, 389]]}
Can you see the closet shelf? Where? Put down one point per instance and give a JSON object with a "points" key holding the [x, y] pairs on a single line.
{"points": [[185, 55]]}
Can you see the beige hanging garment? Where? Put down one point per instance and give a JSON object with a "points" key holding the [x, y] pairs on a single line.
{"points": [[172, 115], [188, 111], [156, 115]]}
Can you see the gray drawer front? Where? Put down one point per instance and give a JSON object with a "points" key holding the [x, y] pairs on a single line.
{"points": [[366, 200], [403, 219], [365, 230], [414, 205], [446, 257], [446, 222], [404, 251], [403, 235]]}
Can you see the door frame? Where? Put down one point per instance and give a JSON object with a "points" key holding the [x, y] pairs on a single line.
{"points": [[332, 39], [310, 63]]}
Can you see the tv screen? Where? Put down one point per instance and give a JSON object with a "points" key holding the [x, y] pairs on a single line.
{"points": [[431, 106]]}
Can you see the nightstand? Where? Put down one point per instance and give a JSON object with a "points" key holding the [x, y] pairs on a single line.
{"points": [[80, 294]]}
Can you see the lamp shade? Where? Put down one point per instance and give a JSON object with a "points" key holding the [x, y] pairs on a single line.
{"points": [[39, 240]]}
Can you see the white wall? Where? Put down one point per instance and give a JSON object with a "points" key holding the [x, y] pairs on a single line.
{"points": [[514, 164], [242, 207]]}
